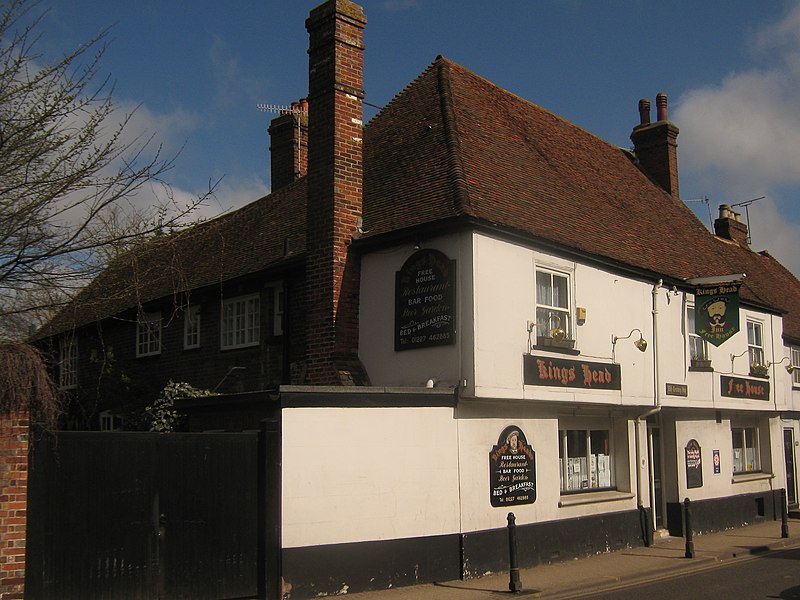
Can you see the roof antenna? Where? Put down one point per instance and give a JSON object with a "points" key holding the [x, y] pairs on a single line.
{"points": [[295, 109], [746, 205], [704, 200]]}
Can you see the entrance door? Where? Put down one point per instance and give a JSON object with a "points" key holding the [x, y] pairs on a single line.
{"points": [[656, 490], [788, 454]]}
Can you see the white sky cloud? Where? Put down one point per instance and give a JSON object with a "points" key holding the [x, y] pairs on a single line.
{"points": [[740, 140]]}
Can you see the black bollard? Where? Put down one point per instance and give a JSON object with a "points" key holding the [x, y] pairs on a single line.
{"points": [[784, 515], [514, 583], [687, 511]]}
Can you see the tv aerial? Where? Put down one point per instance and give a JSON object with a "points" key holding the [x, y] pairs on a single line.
{"points": [[746, 205]]}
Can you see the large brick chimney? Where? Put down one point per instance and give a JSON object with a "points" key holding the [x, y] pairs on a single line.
{"points": [[656, 145], [335, 129], [730, 227], [288, 147]]}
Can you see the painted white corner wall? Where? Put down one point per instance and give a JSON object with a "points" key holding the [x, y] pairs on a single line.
{"points": [[447, 364], [477, 433], [505, 301], [356, 474]]}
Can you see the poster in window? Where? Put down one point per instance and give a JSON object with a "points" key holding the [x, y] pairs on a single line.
{"points": [[694, 465], [512, 469], [425, 307]]}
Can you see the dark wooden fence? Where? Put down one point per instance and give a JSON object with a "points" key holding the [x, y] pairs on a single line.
{"points": [[146, 516]]}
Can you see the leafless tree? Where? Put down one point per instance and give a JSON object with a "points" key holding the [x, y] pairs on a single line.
{"points": [[68, 172]]}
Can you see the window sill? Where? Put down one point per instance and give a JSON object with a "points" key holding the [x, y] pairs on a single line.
{"points": [[747, 477], [593, 497], [559, 350], [240, 347]]}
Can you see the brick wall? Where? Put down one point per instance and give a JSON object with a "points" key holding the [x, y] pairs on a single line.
{"points": [[13, 503], [335, 132]]}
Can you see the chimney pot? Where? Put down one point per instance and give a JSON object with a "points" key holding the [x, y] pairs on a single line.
{"points": [[304, 105], [661, 106], [644, 111], [724, 211]]}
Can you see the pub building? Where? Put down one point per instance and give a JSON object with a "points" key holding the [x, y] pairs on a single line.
{"points": [[518, 317]]}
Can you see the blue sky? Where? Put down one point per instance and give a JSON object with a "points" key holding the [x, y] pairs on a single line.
{"points": [[731, 71]]}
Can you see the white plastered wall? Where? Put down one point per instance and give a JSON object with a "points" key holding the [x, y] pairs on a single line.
{"points": [[356, 474]]}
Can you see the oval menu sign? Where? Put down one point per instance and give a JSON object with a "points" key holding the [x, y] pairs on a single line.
{"points": [[512, 469], [425, 311]]}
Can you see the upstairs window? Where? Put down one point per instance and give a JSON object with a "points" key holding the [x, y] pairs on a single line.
{"points": [[552, 306], [191, 327], [68, 363], [148, 334], [755, 345], [278, 308], [796, 364], [241, 322], [698, 347]]}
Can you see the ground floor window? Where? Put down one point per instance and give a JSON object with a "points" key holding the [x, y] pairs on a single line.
{"points": [[585, 459], [746, 457]]}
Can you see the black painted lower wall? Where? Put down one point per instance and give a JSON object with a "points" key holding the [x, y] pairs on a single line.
{"points": [[719, 514], [361, 566], [552, 541]]}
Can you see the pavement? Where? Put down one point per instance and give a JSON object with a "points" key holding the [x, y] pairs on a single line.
{"points": [[584, 577]]}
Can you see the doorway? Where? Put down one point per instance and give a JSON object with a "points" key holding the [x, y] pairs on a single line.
{"points": [[788, 454], [656, 462]]}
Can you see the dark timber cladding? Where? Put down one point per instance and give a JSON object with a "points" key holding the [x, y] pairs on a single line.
{"points": [[334, 184]]}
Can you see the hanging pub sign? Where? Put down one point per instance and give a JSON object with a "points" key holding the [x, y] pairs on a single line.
{"points": [[424, 305], [512, 469], [562, 372], [739, 387], [694, 465], [716, 315]]}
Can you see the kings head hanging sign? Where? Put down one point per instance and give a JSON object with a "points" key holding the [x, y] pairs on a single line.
{"points": [[716, 312]]}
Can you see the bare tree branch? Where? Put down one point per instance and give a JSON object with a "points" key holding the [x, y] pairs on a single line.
{"points": [[68, 172]]}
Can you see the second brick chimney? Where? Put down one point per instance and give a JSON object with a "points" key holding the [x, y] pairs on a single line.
{"points": [[656, 145], [729, 226], [288, 135], [335, 130]]}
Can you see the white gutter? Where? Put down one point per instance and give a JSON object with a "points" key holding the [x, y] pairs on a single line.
{"points": [[641, 463]]}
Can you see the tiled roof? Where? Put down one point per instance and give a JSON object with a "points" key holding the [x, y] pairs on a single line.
{"points": [[454, 145], [264, 233]]}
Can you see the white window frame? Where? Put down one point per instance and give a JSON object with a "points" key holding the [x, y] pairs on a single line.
{"points": [[755, 343], [580, 474], [743, 453], [796, 363], [148, 334], [698, 347], [191, 327], [240, 325], [108, 421], [549, 315], [278, 309], [68, 363]]}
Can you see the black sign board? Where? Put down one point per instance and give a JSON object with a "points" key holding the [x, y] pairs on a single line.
{"points": [[739, 387], [677, 389], [424, 305], [717, 461], [562, 372], [512, 469], [694, 465]]}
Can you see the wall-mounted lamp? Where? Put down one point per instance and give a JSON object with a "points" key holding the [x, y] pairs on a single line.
{"points": [[734, 356], [641, 343], [790, 368]]}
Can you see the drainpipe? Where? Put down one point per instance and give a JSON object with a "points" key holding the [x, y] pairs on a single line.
{"points": [[640, 462]]}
